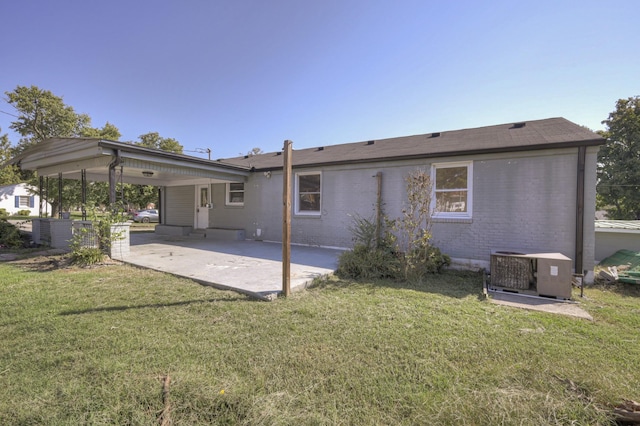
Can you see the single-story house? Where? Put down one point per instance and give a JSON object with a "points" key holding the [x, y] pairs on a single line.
{"points": [[528, 185], [19, 197], [614, 235]]}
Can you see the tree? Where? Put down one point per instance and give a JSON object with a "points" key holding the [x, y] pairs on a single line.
{"points": [[8, 174], [43, 115], [155, 141], [108, 131], [254, 151], [619, 162]]}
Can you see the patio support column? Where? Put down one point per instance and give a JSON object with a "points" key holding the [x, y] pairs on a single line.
{"points": [[160, 205], [40, 195], [286, 220], [83, 181], [46, 196], [60, 195]]}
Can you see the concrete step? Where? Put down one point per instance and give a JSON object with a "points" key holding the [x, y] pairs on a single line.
{"points": [[218, 234]]}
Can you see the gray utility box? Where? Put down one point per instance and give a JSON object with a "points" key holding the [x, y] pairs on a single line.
{"points": [[548, 274], [553, 276]]}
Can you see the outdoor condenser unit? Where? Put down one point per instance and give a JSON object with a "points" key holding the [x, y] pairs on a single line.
{"points": [[548, 274]]}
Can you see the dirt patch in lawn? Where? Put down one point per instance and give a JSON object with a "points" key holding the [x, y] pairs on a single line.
{"points": [[49, 260]]}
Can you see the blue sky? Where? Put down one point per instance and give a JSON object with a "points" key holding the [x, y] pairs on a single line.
{"points": [[233, 75]]}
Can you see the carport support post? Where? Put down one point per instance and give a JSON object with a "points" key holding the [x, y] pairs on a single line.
{"points": [[286, 220], [83, 181], [60, 195]]}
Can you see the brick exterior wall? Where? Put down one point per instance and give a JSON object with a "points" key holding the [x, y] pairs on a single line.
{"points": [[524, 200]]}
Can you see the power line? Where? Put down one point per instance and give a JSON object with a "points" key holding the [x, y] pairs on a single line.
{"points": [[8, 113]]}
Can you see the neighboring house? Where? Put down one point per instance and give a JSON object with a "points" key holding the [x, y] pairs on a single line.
{"points": [[614, 235], [528, 186], [20, 196]]}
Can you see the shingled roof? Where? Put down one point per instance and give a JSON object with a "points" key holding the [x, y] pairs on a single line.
{"points": [[525, 136]]}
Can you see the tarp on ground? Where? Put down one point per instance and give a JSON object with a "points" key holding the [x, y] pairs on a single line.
{"points": [[627, 263]]}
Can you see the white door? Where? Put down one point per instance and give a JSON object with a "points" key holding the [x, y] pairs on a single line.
{"points": [[203, 201]]}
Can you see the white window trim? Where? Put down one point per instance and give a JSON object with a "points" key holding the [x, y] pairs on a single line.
{"points": [[228, 191], [453, 215], [297, 195]]}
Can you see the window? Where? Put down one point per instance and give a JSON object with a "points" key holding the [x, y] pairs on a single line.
{"points": [[235, 194], [452, 189], [308, 187], [24, 201]]}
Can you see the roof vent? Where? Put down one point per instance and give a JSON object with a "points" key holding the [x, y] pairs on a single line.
{"points": [[435, 135], [519, 125], [246, 156], [321, 148], [279, 153], [371, 142]]}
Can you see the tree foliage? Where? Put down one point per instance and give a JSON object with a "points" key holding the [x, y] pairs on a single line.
{"points": [[619, 162], [155, 141], [42, 115], [8, 174]]}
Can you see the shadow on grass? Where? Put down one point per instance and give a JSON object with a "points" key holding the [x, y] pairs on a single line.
{"points": [[622, 289], [152, 305], [456, 284]]}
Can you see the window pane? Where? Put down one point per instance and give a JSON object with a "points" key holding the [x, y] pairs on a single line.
{"points": [[451, 178], [236, 197], [454, 201], [309, 183], [236, 187], [204, 197], [309, 202]]}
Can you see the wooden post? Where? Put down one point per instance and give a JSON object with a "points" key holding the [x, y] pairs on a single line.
{"points": [[379, 208], [286, 220]]}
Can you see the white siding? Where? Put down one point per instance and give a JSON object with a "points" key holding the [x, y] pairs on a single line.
{"points": [[179, 205]]}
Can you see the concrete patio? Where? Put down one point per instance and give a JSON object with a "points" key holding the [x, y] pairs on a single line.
{"points": [[249, 267]]}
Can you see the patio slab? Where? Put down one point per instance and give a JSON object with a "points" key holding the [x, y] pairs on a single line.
{"points": [[568, 308], [249, 267]]}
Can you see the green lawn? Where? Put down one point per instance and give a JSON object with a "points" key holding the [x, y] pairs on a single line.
{"points": [[92, 346]]}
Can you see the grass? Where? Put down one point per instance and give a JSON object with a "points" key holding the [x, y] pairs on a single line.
{"points": [[93, 346]]}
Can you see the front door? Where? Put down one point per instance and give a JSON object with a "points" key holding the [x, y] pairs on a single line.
{"points": [[203, 201]]}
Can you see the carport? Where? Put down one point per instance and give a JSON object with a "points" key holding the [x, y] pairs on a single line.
{"points": [[99, 160]]}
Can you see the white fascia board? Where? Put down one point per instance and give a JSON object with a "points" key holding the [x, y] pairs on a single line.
{"points": [[48, 159], [618, 230], [178, 163]]}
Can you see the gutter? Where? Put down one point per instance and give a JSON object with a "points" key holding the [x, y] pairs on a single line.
{"points": [[501, 150]]}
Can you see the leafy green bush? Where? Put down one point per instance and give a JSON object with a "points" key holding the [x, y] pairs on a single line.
{"points": [[379, 253], [3, 214], [9, 235], [368, 263], [89, 245], [24, 213], [85, 256]]}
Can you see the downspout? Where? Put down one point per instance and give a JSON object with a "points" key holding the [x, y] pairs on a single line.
{"points": [[378, 177], [579, 265], [112, 177], [160, 205]]}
